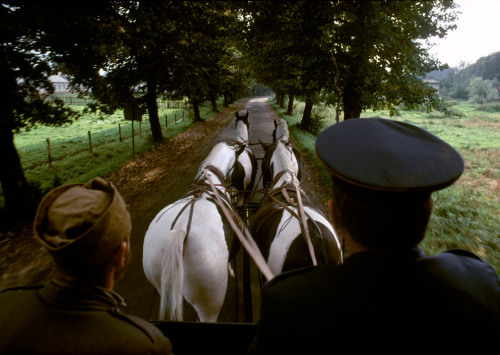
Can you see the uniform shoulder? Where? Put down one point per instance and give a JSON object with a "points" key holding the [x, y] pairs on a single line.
{"points": [[305, 275], [154, 334], [465, 258], [464, 253], [283, 277]]}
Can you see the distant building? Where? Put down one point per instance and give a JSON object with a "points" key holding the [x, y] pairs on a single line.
{"points": [[60, 83], [433, 83]]}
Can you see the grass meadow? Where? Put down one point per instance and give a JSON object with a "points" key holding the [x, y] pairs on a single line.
{"points": [[467, 214], [71, 158]]}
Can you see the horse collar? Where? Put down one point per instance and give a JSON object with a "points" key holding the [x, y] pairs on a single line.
{"points": [[217, 172]]}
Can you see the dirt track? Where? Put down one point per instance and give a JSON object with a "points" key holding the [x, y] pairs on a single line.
{"points": [[167, 184]]}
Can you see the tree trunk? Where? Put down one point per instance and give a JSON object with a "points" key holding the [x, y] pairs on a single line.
{"points": [[16, 191], [290, 105], [352, 102], [306, 117], [226, 103], [154, 120], [214, 103], [196, 110], [282, 100]]}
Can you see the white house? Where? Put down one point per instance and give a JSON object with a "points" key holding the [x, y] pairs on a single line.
{"points": [[60, 83], [433, 83]]}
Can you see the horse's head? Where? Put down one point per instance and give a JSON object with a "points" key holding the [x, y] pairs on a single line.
{"points": [[244, 119], [281, 131], [242, 127]]}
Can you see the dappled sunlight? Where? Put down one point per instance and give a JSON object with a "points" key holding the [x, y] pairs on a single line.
{"points": [[260, 99]]}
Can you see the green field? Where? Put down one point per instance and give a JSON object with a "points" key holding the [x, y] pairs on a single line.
{"points": [[71, 158], [467, 214]]}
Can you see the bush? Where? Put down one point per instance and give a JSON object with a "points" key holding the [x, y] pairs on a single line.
{"points": [[489, 107], [318, 122]]}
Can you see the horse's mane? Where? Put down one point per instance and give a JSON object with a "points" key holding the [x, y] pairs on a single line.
{"points": [[285, 157], [209, 160], [282, 133]]}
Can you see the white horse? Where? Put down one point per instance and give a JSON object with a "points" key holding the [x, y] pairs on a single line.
{"points": [[271, 160], [186, 246], [280, 132], [276, 225]]}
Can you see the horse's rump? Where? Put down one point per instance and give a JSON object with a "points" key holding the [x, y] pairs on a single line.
{"points": [[279, 234]]}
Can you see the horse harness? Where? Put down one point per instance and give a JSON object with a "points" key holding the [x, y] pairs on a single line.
{"points": [[285, 191], [201, 187]]}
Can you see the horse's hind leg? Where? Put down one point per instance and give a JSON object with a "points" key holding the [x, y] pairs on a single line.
{"points": [[205, 273], [206, 290]]}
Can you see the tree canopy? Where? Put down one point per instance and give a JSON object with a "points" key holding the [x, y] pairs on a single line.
{"points": [[356, 55], [351, 54], [454, 82]]}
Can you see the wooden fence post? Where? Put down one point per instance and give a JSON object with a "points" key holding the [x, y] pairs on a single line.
{"points": [[48, 152], [120, 131], [166, 120], [90, 142], [133, 138], [140, 128]]}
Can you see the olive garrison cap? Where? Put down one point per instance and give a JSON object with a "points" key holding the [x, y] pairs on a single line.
{"points": [[386, 155], [81, 225]]}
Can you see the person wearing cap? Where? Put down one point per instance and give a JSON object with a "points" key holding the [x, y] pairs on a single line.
{"points": [[387, 295], [86, 229]]}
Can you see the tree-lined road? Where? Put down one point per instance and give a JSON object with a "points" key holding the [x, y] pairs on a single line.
{"points": [[141, 297]]}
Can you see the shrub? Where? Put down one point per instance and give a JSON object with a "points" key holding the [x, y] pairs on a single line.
{"points": [[489, 107]]}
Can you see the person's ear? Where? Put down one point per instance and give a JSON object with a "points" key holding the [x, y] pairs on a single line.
{"points": [[119, 256]]}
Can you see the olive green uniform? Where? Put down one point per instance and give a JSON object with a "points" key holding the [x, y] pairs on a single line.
{"points": [[62, 318]]}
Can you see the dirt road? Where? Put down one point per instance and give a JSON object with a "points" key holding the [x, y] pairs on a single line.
{"points": [[141, 297]]}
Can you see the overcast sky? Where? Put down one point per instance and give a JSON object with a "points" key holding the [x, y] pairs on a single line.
{"points": [[477, 34]]}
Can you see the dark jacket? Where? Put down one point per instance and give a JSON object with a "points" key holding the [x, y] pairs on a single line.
{"points": [[60, 318], [388, 302]]}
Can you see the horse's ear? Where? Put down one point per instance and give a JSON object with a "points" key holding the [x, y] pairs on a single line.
{"points": [[237, 115], [264, 145], [246, 115], [275, 124]]}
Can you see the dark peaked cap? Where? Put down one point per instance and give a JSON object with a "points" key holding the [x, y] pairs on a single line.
{"points": [[386, 155]]}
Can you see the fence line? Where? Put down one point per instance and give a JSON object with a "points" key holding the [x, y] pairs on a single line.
{"points": [[92, 145], [81, 101]]}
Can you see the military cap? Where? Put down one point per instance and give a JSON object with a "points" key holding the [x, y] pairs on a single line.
{"points": [[81, 225], [386, 155]]}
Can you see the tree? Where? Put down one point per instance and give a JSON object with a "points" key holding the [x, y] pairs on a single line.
{"points": [[480, 90], [357, 54], [204, 55], [381, 53], [285, 45], [127, 41], [24, 74]]}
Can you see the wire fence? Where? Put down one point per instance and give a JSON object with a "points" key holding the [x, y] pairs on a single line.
{"points": [[72, 99]]}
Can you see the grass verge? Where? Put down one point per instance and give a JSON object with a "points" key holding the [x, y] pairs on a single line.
{"points": [[466, 215], [72, 161]]}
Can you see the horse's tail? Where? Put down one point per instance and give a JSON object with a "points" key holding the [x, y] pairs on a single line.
{"points": [[172, 276]]}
